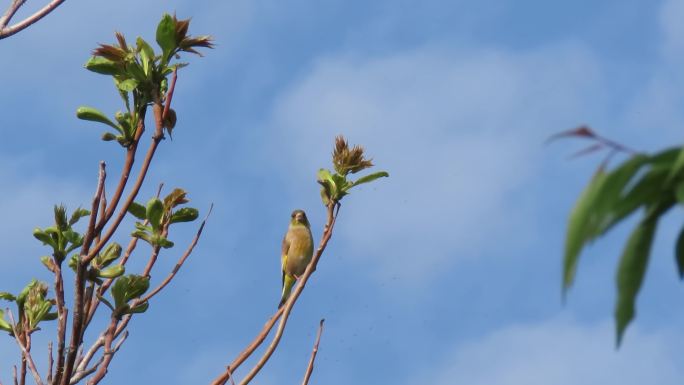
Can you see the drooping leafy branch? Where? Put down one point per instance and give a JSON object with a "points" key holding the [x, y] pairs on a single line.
{"points": [[652, 184]]}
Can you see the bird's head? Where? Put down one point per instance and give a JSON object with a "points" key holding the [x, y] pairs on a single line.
{"points": [[299, 217]]}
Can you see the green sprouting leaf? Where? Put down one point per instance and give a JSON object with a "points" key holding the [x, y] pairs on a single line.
{"points": [[48, 263], [154, 213], [576, 235], [108, 137], [665, 159], [679, 253], [185, 214], [112, 272], [77, 215], [44, 237], [138, 309], [94, 115], [177, 197], [146, 55], [370, 177], [677, 165], [139, 211], [103, 66], [50, 317], [110, 254], [129, 287], [7, 296], [60, 217], [105, 301], [124, 120], [328, 189], [141, 234], [127, 85], [166, 36], [4, 325], [163, 242], [631, 271]]}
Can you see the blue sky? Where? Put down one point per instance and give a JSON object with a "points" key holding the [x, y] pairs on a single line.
{"points": [[448, 272]]}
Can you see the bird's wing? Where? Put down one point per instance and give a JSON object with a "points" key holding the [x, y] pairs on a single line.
{"points": [[283, 257]]}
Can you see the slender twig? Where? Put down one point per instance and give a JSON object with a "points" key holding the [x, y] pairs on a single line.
{"points": [[108, 353], [314, 352], [169, 95], [13, 8], [14, 375], [50, 363], [25, 352], [180, 262], [9, 31]]}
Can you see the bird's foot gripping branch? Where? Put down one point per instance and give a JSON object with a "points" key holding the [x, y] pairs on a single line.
{"points": [[97, 264]]}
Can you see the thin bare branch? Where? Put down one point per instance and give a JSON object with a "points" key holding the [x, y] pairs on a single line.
{"points": [[9, 31], [14, 375], [107, 355], [11, 10], [169, 95], [314, 352], [25, 352], [50, 363], [180, 262]]}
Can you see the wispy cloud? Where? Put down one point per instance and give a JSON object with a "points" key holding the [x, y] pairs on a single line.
{"points": [[459, 132], [560, 352]]}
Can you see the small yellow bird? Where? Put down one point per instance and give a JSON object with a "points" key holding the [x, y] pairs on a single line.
{"points": [[297, 252]]}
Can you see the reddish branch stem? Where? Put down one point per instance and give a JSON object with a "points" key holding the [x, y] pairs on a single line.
{"points": [[9, 31], [314, 352]]}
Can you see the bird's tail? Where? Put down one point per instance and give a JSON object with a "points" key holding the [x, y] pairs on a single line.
{"points": [[288, 282]]}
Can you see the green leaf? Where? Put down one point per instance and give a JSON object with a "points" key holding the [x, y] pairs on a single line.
{"points": [[631, 271], [166, 36], [176, 197], [138, 309], [108, 137], [129, 287], [45, 238], [49, 263], [4, 325], [186, 214], [77, 215], [576, 234], [103, 66], [155, 212], [370, 177], [94, 115], [146, 55], [677, 166], [328, 188], [163, 242], [592, 212], [50, 317], [139, 211], [110, 254], [679, 253], [112, 272], [128, 85], [7, 296]]}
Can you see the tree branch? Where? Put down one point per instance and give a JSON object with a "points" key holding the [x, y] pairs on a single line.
{"points": [[79, 282], [9, 31], [314, 352], [25, 352]]}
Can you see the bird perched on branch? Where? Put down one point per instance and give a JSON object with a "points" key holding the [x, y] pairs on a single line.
{"points": [[297, 252]]}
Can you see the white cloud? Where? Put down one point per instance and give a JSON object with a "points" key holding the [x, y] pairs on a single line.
{"points": [[459, 133], [560, 352]]}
